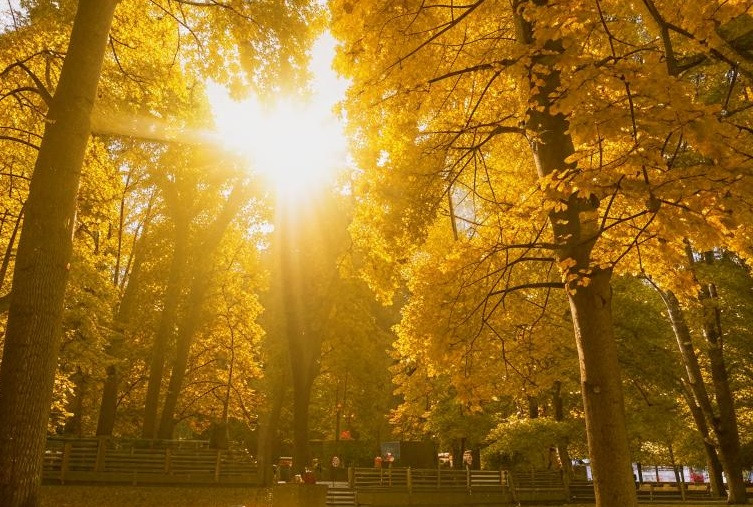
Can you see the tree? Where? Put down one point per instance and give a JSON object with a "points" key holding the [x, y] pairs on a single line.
{"points": [[32, 338], [620, 166], [42, 262]]}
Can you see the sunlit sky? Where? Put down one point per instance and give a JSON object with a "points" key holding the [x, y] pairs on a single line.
{"points": [[295, 143]]}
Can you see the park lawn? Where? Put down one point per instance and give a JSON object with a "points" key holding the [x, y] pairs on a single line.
{"points": [[146, 496], [165, 496]]}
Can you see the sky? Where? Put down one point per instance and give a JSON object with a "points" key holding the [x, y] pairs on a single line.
{"points": [[297, 142]]}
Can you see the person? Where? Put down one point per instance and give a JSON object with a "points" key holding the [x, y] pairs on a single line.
{"points": [[317, 468], [389, 458], [378, 462], [334, 465], [308, 476], [467, 459]]}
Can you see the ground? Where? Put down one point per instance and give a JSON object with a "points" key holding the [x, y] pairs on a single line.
{"points": [[147, 496]]}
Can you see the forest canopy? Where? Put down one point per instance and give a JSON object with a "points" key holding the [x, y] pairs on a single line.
{"points": [[519, 230]]}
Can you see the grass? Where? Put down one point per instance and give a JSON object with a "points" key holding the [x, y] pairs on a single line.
{"points": [[148, 496], [194, 496]]}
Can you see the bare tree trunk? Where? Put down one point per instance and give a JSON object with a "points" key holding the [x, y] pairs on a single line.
{"points": [[588, 288], [32, 339], [533, 407]]}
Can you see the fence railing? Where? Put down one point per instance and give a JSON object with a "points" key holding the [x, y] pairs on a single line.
{"points": [[97, 460], [415, 479]]}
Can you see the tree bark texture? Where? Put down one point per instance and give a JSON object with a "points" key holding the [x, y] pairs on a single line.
{"points": [[43, 260], [590, 303]]}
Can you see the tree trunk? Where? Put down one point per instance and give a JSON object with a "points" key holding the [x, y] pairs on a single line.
{"points": [[166, 329], [109, 405], [724, 431], [34, 324], [301, 401], [726, 423], [189, 326], [602, 392], [122, 321], [269, 422], [588, 287], [191, 319], [304, 342], [712, 459], [533, 407], [75, 406], [559, 416], [9, 249]]}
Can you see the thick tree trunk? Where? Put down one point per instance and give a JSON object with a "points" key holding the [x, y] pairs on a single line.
{"points": [[533, 407], [588, 286], [602, 392], [74, 424], [301, 401], [35, 317], [108, 407]]}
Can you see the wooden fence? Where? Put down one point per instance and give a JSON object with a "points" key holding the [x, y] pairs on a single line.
{"points": [[98, 460], [415, 479]]}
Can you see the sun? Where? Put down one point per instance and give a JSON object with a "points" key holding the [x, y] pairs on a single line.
{"points": [[292, 145]]}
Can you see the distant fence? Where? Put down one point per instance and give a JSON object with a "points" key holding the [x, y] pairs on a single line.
{"points": [[98, 460], [417, 479]]}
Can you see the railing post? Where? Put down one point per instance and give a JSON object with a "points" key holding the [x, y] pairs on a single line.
{"points": [[511, 486], [409, 480], [217, 466], [168, 461], [439, 476], [65, 461], [351, 477], [565, 482], [468, 478], [99, 461]]}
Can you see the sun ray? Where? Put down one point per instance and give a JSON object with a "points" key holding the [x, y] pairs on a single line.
{"points": [[294, 144]]}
